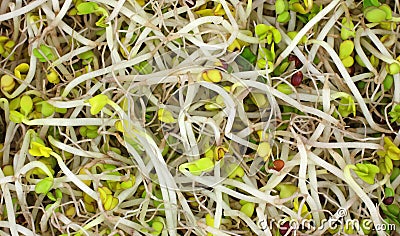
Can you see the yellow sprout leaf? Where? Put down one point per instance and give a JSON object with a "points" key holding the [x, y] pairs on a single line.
{"points": [[7, 83], [214, 76], [264, 150], [165, 116], [21, 70], [52, 77], [38, 149]]}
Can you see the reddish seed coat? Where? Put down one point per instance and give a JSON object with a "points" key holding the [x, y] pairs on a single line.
{"points": [[298, 64], [297, 78], [278, 165], [351, 70], [388, 200], [224, 65], [21, 220], [285, 227], [296, 60]]}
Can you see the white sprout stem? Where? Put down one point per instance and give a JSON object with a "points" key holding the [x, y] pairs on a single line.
{"points": [[396, 93], [203, 45], [189, 214], [22, 11], [229, 212], [329, 167], [98, 220], [32, 27], [73, 150], [47, 214], [100, 72], [317, 133], [364, 197], [29, 77], [211, 230], [5, 107], [260, 196], [328, 26], [233, 21], [115, 58], [339, 159], [8, 139], [6, 179], [72, 122], [121, 222], [116, 10], [21, 229], [166, 181], [362, 76], [291, 101], [61, 13], [218, 209], [73, 178], [312, 175], [386, 58], [67, 29], [20, 161], [210, 122], [255, 228], [304, 30], [230, 104], [58, 182], [359, 145], [132, 15], [64, 219], [350, 84], [263, 219], [361, 54], [302, 176], [211, 182], [67, 104], [396, 182], [193, 147], [303, 164], [200, 21], [241, 36], [345, 151], [9, 206], [21, 196], [336, 190], [316, 98], [370, 33], [138, 159], [183, 131], [70, 55], [32, 165]]}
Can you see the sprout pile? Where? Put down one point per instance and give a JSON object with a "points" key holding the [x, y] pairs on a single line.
{"points": [[199, 117]]}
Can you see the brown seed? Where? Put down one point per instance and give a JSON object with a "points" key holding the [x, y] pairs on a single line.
{"points": [[388, 200], [292, 58], [297, 62], [278, 165], [285, 227], [20, 219], [297, 78], [351, 70]]}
